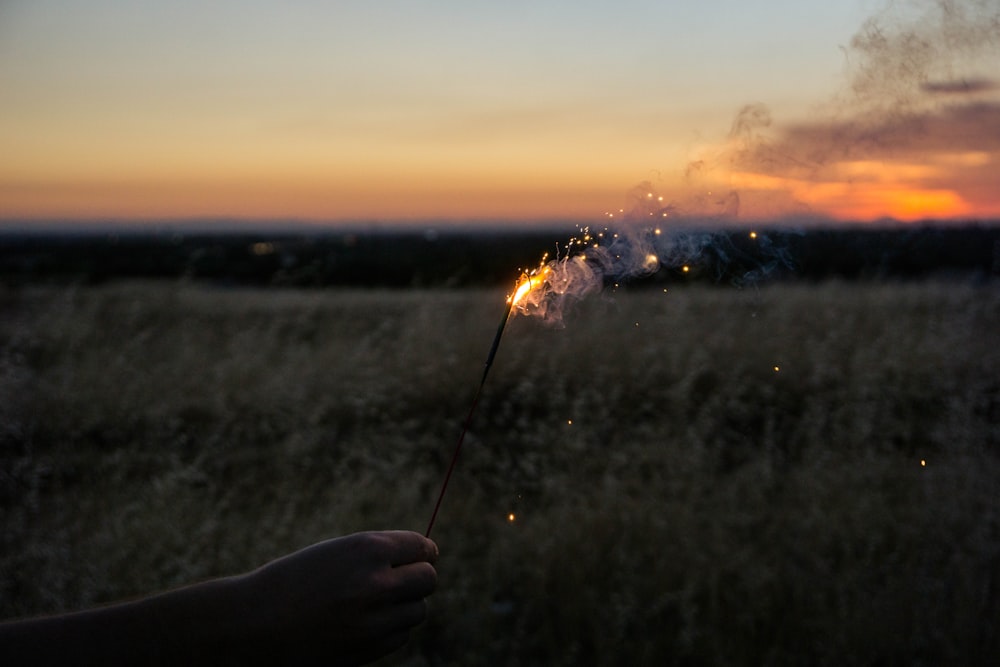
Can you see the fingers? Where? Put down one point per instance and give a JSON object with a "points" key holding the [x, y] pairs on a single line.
{"points": [[404, 547], [411, 582]]}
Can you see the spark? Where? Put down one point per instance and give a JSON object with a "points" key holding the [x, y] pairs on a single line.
{"points": [[777, 368], [753, 235], [511, 517], [923, 463]]}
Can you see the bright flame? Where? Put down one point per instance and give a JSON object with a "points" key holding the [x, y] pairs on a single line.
{"points": [[529, 282]]}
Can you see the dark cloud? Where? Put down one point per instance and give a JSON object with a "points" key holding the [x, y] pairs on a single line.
{"points": [[953, 128], [959, 87]]}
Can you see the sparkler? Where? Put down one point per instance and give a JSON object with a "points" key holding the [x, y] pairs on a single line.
{"points": [[590, 261], [526, 284]]}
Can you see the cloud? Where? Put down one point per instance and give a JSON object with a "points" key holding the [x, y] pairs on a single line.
{"points": [[914, 134], [959, 87]]}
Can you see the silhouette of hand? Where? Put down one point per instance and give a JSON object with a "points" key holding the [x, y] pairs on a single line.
{"points": [[347, 600]]}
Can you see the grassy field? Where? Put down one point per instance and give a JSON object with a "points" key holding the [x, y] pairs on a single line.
{"points": [[800, 474]]}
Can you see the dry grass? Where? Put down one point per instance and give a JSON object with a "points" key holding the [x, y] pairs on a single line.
{"points": [[678, 500]]}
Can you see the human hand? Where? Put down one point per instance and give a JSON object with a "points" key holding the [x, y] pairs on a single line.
{"points": [[346, 601]]}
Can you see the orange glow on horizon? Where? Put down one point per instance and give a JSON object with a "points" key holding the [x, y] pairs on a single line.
{"points": [[307, 199], [869, 191], [859, 190]]}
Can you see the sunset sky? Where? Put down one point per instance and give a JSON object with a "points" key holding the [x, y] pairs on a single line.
{"points": [[521, 111]]}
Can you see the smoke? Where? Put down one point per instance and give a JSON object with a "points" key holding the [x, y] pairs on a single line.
{"points": [[651, 236], [911, 48]]}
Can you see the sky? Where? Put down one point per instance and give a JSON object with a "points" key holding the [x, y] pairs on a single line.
{"points": [[514, 111]]}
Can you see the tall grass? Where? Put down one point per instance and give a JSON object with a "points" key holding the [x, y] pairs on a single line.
{"points": [[802, 474]]}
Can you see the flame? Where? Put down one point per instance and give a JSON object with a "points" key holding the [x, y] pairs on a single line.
{"points": [[528, 282]]}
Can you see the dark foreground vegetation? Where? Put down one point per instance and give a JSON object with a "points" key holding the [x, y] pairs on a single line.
{"points": [[456, 257], [793, 474]]}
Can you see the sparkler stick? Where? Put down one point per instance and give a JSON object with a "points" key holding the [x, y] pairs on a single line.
{"points": [[472, 411], [525, 285]]}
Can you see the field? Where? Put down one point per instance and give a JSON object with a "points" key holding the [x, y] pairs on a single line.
{"points": [[795, 474]]}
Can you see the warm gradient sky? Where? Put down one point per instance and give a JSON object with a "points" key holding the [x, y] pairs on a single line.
{"points": [[513, 110]]}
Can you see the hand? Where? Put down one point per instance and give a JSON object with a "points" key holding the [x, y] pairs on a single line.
{"points": [[344, 601]]}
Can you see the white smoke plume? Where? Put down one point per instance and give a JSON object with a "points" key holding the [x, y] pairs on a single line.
{"points": [[650, 236]]}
